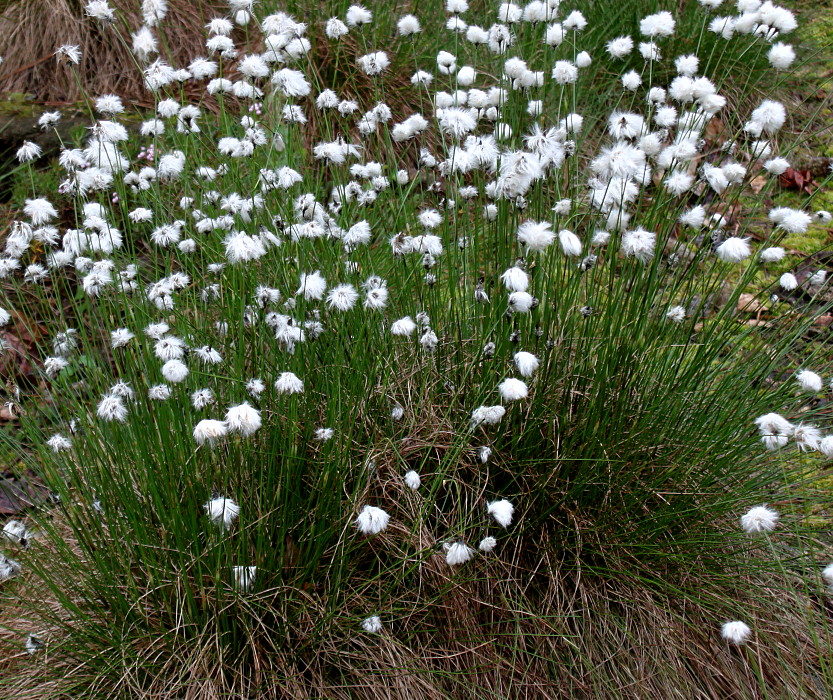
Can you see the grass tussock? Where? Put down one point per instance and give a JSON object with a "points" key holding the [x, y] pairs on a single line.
{"points": [[353, 384], [34, 31]]}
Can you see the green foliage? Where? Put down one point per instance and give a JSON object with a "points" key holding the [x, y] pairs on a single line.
{"points": [[628, 463]]}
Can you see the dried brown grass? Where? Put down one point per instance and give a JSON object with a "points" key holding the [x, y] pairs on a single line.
{"points": [[531, 623], [34, 29]]}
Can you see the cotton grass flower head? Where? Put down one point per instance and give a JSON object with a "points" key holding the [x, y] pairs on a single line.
{"points": [[827, 575], [661, 24], [15, 531], [458, 553], [487, 415], [526, 363], [100, 10], [735, 632], [537, 236], [358, 16], [372, 625], [734, 250], [243, 419], [408, 26], [58, 443], [374, 64], [774, 254], [289, 383], [159, 392], [335, 28], [809, 381], [774, 424], [323, 434], [28, 151], [639, 244], [413, 480], [404, 327], [222, 512], [807, 437], [781, 56], [342, 297], [372, 520], [112, 408], [34, 644], [210, 431], [487, 544], [570, 243], [9, 568], [515, 279], [174, 371], [512, 389], [788, 281], [40, 211], [759, 519], [502, 511]]}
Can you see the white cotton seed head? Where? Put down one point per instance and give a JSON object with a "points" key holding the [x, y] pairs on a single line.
{"points": [[342, 297], [458, 553], [826, 446], [174, 371], [734, 250], [15, 531], [759, 519], [809, 381], [243, 419], [773, 255], [404, 327], [408, 26], [788, 281], [781, 56], [502, 511], [289, 383], [774, 424], [372, 520], [487, 415], [413, 480], [209, 431], [570, 243], [357, 15], [526, 363], [512, 389], [735, 632], [807, 437], [372, 625], [536, 235], [487, 544], [639, 244], [515, 279], [222, 512]]}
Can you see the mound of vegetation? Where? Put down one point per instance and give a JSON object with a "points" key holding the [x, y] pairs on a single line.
{"points": [[400, 356]]}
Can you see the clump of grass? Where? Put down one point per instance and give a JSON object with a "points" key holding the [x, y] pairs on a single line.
{"points": [[34, 30], [364, 406]]}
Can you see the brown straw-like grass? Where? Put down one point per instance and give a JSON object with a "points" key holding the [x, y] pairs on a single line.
{"points": [[32, 31]]}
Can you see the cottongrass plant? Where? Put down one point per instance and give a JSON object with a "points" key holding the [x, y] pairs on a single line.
{"points": [[382, 370]]}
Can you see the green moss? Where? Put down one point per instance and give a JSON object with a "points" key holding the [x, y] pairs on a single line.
{"points": [[817, 238], [15, 104]]}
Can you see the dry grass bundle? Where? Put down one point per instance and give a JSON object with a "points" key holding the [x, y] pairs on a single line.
{"points": [[34, 30], [545, 634]]}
